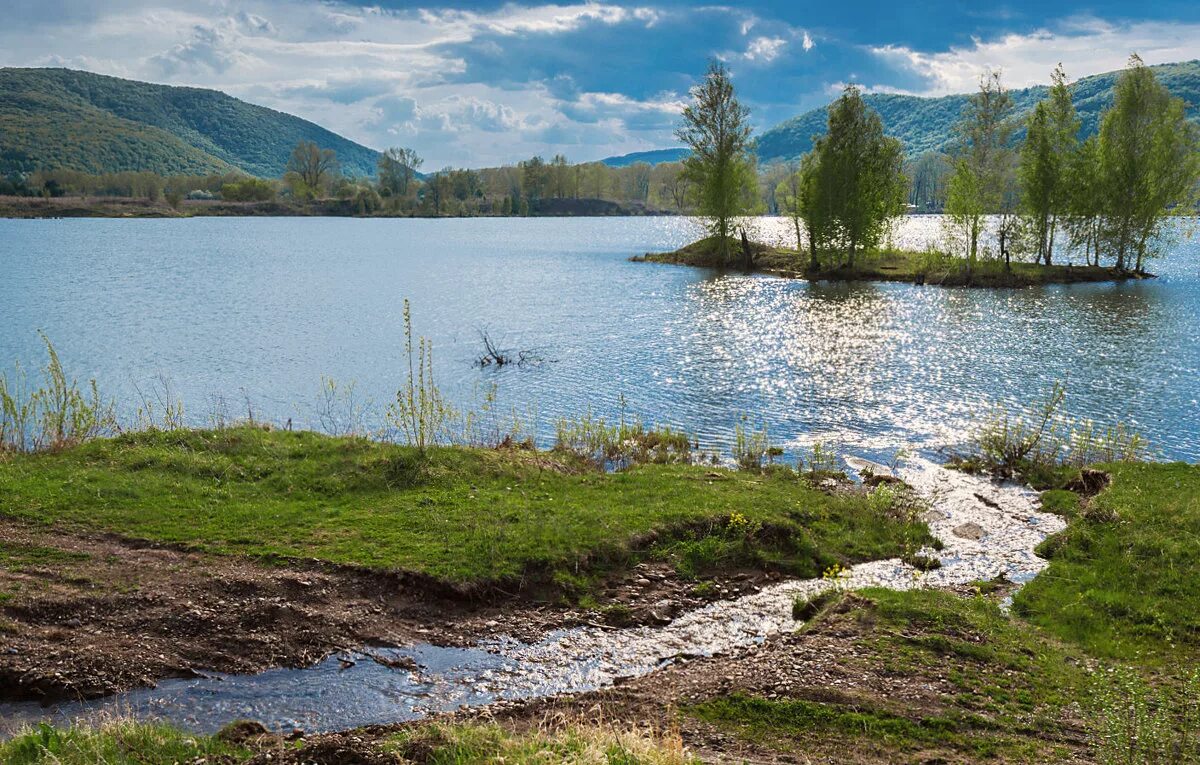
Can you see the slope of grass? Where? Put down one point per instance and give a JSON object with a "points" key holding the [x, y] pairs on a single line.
{"points": [[1014, 687], [458, 514], [1124, 578], [68, 119]]}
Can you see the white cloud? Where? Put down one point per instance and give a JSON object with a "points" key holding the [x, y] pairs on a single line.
{"points": [[807, 42], [1086, 45], [764, 49]]}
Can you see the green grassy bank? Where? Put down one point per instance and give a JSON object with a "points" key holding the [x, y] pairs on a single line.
{"points": [[888, 265], [1095, 663], [462, 515]]}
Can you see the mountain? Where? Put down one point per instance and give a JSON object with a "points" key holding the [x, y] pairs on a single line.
{"points": [[69, 119], [653, 157], [927, 124]]}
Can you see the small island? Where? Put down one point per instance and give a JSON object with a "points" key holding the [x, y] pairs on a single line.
{"points": [[1016, 207], [887, 265]]}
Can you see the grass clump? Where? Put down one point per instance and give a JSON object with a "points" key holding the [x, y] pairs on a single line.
{"points": [[615, 446], [1124, 577], [767, 718], [458, 514], [115, 743], [1136, 723], [583, 743], [1043, 446]]}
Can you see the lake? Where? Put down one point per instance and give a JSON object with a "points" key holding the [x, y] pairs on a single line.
{"points": [[249, 313]]}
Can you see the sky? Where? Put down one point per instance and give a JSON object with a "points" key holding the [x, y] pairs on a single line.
{"points": [[486, 83]]}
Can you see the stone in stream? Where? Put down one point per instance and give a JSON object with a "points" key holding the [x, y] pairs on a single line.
{"points": [[971, 531]]}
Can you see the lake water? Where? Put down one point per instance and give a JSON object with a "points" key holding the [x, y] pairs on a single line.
{"points": [[256, 310]]}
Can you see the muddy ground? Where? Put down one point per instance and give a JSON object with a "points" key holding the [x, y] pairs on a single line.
{"points": [[85, 614], [832, 662]]}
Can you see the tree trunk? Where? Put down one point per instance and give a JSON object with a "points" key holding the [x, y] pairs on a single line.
{"points": [[747, 253], [1050, 240]]}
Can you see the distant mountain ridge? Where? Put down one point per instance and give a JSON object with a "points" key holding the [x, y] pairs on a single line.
{"points": [[70, 119], [927, 123], [652, 157]]}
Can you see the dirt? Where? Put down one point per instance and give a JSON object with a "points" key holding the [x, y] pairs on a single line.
{"points": [[96, 614], [832, 662]]}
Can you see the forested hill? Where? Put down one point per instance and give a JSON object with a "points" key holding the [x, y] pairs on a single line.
{"points": [[652, 157], [927, 124], [68, 119]]}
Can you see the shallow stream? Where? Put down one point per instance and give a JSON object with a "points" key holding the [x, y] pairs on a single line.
{"points": [[988, 530]]}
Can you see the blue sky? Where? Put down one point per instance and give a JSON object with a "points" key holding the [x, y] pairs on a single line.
{"points": [[473, 84]]}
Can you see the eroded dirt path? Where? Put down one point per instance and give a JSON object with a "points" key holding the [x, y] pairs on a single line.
{"points": [[85, 615]]}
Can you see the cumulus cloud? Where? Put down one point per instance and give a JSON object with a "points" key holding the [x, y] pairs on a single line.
{"points": [[1086, 45]]}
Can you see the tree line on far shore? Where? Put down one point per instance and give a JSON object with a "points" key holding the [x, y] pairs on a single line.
{"points": [[1106, 196], [398, 188]]}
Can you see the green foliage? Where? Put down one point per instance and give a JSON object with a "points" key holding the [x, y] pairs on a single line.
{"points": [[248, 190], [857, 185], [1149, 157], [117, 743], [311, 170], [397, 169], [1050, 142], [716, 128], [67, 119], [982, 177]]}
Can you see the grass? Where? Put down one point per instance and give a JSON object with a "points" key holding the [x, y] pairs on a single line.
{"points": [[15, 555], [1124, 578], [888, 265], [458, 514], [1014, 686], [490, 743], [116, 743]]}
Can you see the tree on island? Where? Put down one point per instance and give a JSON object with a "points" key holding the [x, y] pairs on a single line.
{"points": [[720, 168], [1149, 163], [983, 165], [397, 169], [1051, 141], [310, 170], [798, 196], [861, 187]]}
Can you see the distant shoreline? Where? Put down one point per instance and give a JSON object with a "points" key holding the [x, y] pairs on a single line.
{"points": [[125, 207]]}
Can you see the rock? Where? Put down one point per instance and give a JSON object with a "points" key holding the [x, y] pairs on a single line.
{"points": [[73, 623], [241, 731], [972, 531], [1090, 482]]}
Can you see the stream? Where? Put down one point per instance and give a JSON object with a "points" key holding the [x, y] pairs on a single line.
{"points": [[988, 530]]}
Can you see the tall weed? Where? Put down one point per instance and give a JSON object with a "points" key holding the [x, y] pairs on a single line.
{"points": [[56, 414]]}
